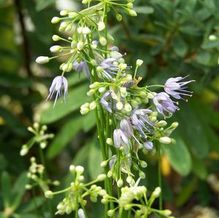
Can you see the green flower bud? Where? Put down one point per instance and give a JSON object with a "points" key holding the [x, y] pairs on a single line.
{"points": [[165, 140], [48, 194], [55, 20]]}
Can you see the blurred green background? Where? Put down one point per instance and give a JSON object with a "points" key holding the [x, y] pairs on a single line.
{"points": [[173, 37]]}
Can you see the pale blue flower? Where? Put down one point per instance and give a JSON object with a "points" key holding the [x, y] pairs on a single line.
{"points": [[106, 101], [148, 145], [126, 127], [109, 67], [119, 138], [164, 104], [82, 67], [176, 88], [60, 86]]}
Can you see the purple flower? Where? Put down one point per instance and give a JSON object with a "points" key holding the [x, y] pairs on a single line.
{"points": [[119, 138], [141, 122], [148, 145], [82, 67], [106, 101], [176, 88], [109, 67], [164, 104], [126, 127], [59, 85]]}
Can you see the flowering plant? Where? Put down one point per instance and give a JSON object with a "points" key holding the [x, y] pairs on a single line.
{"points": [[131, 119]]}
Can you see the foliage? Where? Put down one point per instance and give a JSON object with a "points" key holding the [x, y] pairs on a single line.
{"points": [[172, 38]]}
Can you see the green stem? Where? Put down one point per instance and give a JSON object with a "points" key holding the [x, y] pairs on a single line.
{"points": [[159, 176]]}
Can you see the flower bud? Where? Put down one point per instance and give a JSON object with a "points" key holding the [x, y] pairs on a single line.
{"points": [[55, 48], [28, 186], [55, 20], [103, 163], [94, 85], [212, 37], [43, 145], [81, 213], [162, 123], [42, 60], [80, 45], [120, 183], [79, 169], [66, 67], [63, 12], [132, 13], [24, 150], [92, 105], [166, 212], [109, 141], [101, 177], [101, 26], [127, 107], [119, 105], [165, 140], [55, 38], [103, 41], [119, 17], [139, 62], [48, 194], [86, 30], [72, 14], [156, 192], [110, 213], [72, 168], [102, 89], [174, 125]]}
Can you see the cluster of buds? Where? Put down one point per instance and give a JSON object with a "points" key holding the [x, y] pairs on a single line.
{"points": [[36, 174], [76, 193], [40, 138]]}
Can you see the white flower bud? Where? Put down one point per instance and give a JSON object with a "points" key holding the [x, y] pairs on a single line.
{"points": [[167, 212], [120, 183], [119, 105], [55, 38], [79, 169], [24, 150], [86, 30], [127, 107], [102, 89], [55, 48], [132, 13], [72, 168], [63, 12], [123, 91], [66, 67], [103, 163], [55, 20], [122, 66], [48, 194], [110, 213], [174, 125], [84, 110], [94, 85], [119, 17], [165, 140], [92, 105], [162, 123], [212, 37], [101, 177], [91, 92], [101, 26], [109, 174], [42, 60], [103, 41], [109, 141], [43, 145], [28, 186], [81, 213], [80, 45], [156, 192], [139, 62], [72, 14]]}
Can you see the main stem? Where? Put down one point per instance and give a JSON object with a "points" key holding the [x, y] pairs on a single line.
{"points": [[159, 176]]}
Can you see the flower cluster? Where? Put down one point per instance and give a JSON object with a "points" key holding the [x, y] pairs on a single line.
{"points": [[130, 118]]}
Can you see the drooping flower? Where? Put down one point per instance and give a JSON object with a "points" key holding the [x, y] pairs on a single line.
{"points": [[148, 145], [106, 101], [126, 127], [141, 122], [82, 67], [176, 87], [164, 104], [60, 86], [119, 138]]}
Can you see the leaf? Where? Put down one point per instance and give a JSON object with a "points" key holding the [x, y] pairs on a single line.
{"points": [[6, 189], [65, 135], [179, 156], [94, 159], [210, 44], [179, 46], [19, 189], [89, 121], [42, 4], [32, 204], [144, 9], [192, 130], [199, 168], [74, 100]]}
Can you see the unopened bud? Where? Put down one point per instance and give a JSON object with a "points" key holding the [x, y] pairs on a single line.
{"points": [[132, 13], [79, 169], [139, 62], [156, 192], [55, 20], [103, 41], [42, 60], [165, 140], [101, 26], [48, 194], [120, 183], [55, 48], [101, 177]]}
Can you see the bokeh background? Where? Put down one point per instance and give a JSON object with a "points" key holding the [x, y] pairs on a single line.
{"points": [[173, 37]]}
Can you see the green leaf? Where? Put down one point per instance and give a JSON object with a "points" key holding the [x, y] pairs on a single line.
{"points": [[65, 135], [144, 9], [32, 204], [19, 189], [179, 46], [89, 121], [6, 189], [192, 130], [210, 44], [179, 156], [42, 4], [94, 159], [74, 100], [199, 168]]}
